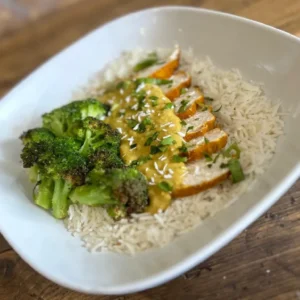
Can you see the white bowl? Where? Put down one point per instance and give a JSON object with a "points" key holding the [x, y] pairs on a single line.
{"points": [[262, 53]]}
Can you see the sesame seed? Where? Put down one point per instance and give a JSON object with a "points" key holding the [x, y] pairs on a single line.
{"points": [[165, 137], [123, 137], [181, 134], [171, 171], [136, 127], [119, 129], [168, 176]]}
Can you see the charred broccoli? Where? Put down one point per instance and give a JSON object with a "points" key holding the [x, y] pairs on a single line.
{"points": [[59, 168], [61, 120], [122, 191], [76, 156], [95, 135]]}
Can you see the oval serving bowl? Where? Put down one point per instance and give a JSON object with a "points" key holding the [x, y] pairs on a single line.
{"points": [[260, 52]]}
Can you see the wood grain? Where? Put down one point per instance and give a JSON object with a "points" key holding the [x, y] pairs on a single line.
{"points": [[262, 263]]}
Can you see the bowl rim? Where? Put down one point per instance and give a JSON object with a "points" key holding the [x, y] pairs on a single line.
{"points": [[219, 241]]}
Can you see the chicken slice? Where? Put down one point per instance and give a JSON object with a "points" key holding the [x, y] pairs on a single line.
{"points": [[164, 70], [180, 80], [197, 125], [200, 176], [186, 104], [211, 142]]}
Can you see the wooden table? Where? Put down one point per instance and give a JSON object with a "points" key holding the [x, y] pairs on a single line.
{"points": [[262, 263]]}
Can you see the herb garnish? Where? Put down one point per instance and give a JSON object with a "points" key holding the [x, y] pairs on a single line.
{"points": [[141, 160], [169, 106], [178, 158], [165, 186], [148, 62], [151, 139], [189, 128], [183, 106], [156, 81]]}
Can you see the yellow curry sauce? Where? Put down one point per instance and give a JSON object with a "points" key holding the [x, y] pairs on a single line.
{"points": [[149, 130]]}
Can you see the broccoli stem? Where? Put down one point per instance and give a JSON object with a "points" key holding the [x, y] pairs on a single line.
{"points": [[60, 202], [92, 195], [44, 194], [86, 145]]}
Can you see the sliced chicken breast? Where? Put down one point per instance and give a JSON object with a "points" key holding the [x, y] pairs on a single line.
{"points": [[197, 125], [186, 104], [211, 142], [200, 176], [180, 80], [164, 70]]}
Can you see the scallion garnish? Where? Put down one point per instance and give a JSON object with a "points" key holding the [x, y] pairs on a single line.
{"points": [[165, 186], [151, 139], [156, 81], [234, 147], [167, 141], [236, 170], [169, 106], [177, 158], [183, 106], [146, 63]]}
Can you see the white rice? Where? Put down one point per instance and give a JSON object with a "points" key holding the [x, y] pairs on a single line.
{"points": [[247, 116]]}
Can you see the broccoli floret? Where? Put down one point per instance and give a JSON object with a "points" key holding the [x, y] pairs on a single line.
{"points": [[95, 135], [61, 120], [60, 168], [37, 135], [127, 185]]}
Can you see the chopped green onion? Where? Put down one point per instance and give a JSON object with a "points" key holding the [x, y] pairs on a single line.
{"points": [[207, 157], [151, 139], [156, 81], [141, 160], [169, 106], [183, 123], [183, 91], [223, 165], [143, 124], [189, 128], [165, 186], [236, 170], [132, 123], [183, 106], [183, 148], [133, 146], [233, 147], [216, 158], [167, 141], [154, 100], [206, 140], [177, 159], [218, 109], [208, 99], [155, 150], [146, 63]]}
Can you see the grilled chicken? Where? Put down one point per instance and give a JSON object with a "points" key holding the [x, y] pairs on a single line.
{"points": [[162, 71], [200, 176], [211, 142], [180, 80], [198, 124], [185, 105]]}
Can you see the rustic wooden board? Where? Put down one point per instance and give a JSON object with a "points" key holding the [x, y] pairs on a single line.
{"points": [[262, 263]]}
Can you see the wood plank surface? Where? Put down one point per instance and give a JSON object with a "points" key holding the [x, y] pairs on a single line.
{"points": [[262, 263]]}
